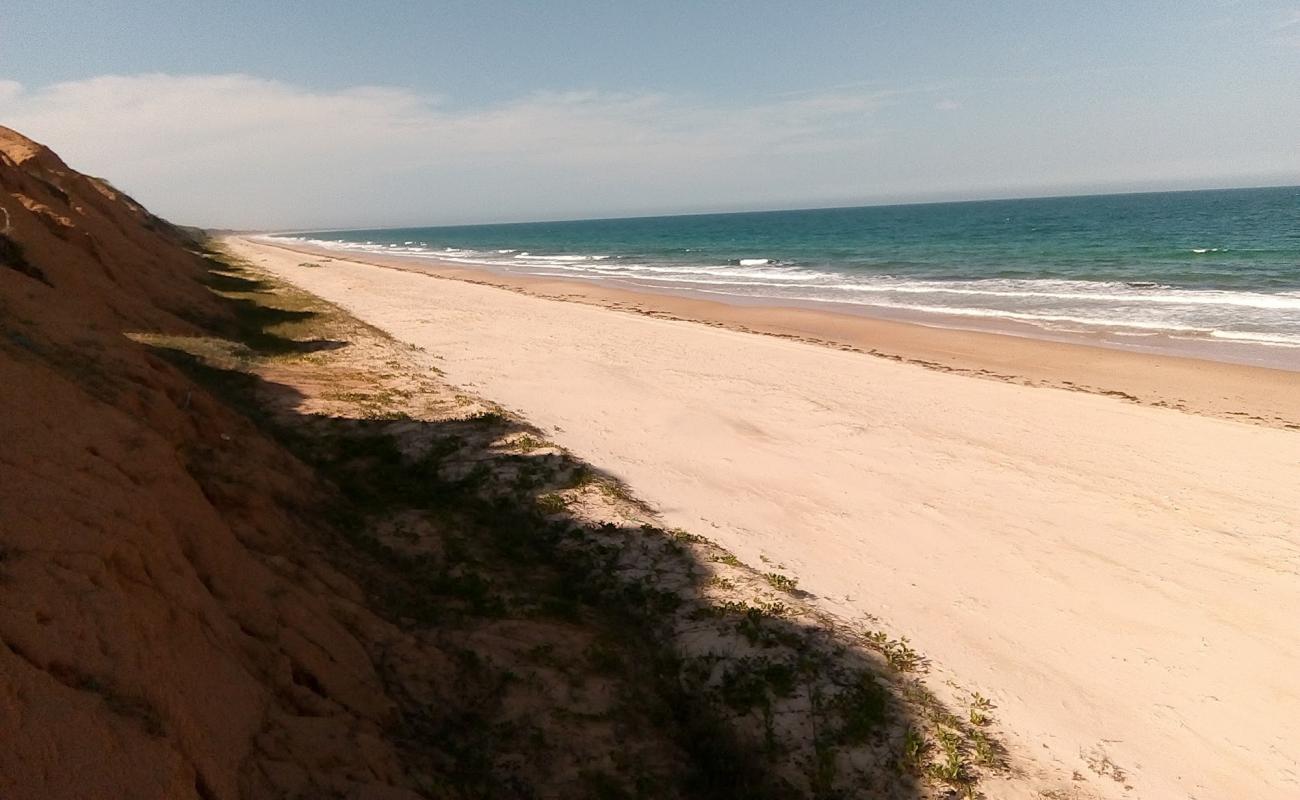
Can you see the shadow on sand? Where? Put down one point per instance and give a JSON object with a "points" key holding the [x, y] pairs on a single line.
{"points": [[539, 577]]}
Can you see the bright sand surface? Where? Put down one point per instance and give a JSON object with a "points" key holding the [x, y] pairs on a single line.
{"points": [[1122, 580]]}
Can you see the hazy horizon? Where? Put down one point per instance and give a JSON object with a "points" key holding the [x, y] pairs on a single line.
{"points": [[726, 212], [239, 116]]}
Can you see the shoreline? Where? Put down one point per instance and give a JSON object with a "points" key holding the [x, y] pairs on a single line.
{"points": [[1218, 346], [1244, 392]]}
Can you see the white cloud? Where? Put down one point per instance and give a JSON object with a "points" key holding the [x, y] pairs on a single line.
{"points": [[947, 105], [244, 151]]}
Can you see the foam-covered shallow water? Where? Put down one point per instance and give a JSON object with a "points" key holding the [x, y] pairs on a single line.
{"points": [[1212, 266]]}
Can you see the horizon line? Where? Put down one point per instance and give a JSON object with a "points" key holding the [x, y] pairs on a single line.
{"points": [[670, 215]]}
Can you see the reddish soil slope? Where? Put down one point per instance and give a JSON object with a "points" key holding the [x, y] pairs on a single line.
{"points": [[164, 632]]}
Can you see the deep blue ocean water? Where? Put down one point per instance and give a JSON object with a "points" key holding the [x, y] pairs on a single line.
{"points": [[1219, 265]]}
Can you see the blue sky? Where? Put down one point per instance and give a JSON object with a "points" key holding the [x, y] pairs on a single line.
{"points": [[323, 114]]}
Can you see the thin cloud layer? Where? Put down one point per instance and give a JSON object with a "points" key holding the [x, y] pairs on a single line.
{"points": [[241, 151], [238, 150]]}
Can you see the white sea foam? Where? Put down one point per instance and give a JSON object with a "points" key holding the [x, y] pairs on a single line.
{"points": [[729, 273], [1269, 339], [1099, 322], [1130, 309], [1105, 292], [554, 258]]}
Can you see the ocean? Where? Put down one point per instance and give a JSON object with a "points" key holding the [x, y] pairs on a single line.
{"points": [[1218, 267]]}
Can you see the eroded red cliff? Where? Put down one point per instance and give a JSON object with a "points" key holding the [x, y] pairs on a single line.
{"points": [[164, 629]]}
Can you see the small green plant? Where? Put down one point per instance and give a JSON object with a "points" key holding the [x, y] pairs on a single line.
{"points": [[914, 747], [686, 536], [774, 609], [987, 752], [552, 503], [616, 491], [735, 607], [951, 767], [489, 419], [581, 475], [783, 582], [528, 443], [901, 656]]}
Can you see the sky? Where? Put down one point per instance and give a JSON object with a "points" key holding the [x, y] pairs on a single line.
{"points": [[278, 115]]}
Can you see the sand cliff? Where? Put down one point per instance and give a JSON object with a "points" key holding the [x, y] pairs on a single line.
{"points": [[163, 630]]}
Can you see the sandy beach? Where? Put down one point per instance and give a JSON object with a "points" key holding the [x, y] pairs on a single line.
{"points": [[1120, 578], [832, 401], [1221, 388]]}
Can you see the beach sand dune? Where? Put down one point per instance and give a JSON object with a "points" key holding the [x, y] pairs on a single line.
{"points": [[1121, 580]]}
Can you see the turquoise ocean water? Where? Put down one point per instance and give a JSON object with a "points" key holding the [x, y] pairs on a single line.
{"points": [[1219, 267]]}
